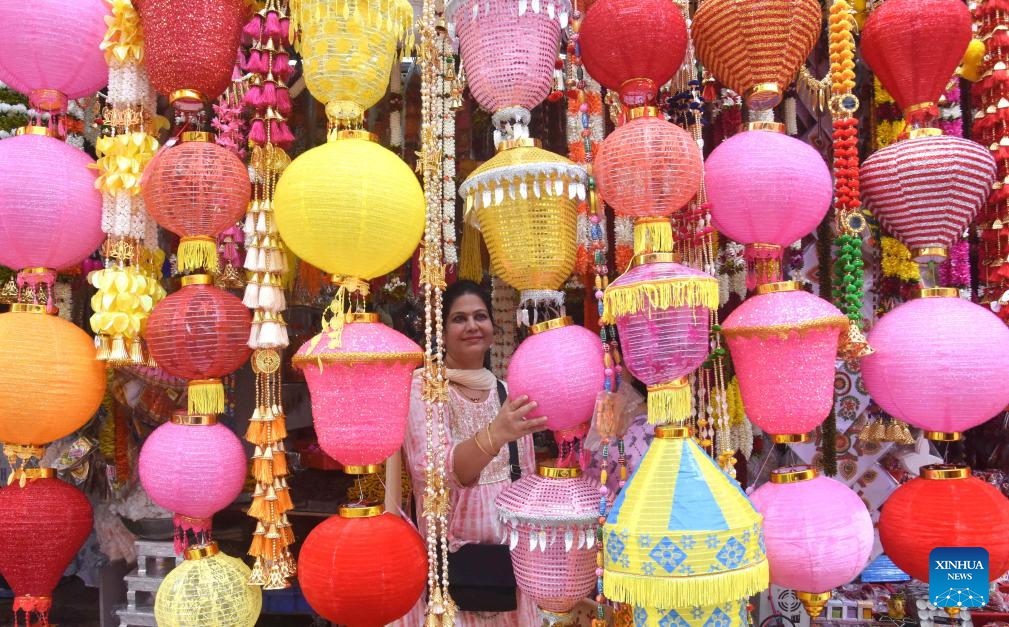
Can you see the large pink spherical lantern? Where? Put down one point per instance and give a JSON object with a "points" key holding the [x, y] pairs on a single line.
{"points": [[784, 345], [766, 190], [940, 363], [194, 467], [818, 533], [359, 379], [550, 521], [560, 367]]}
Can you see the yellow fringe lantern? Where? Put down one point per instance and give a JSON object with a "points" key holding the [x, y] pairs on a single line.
{"points": [[208, 589]]}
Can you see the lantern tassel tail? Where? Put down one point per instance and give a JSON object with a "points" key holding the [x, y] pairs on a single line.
{"points": [[663, 294], [691, 591], [669, 402], [197, 253], [206, 396], [653, 236], [470, 258], [763, 264]]}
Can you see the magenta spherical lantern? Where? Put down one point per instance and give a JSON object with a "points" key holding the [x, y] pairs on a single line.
{"points": [[359, 379], [560, 367], [940, 363], [784, 345], [47, 221]]}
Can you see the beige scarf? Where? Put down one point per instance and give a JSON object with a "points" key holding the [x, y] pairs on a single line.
{"points": [[479, 379]]}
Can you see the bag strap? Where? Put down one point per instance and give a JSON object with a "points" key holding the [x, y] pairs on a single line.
{"points": [[513, 447]]}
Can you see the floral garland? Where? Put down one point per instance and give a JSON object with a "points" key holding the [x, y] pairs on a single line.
{"points": [[890, 121]]}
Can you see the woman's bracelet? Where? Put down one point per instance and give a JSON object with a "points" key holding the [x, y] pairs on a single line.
{"points": [[490, 439], [476, 438]]}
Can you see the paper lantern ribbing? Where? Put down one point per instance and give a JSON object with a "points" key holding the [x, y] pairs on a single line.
{"points": [[208, 588], [381, 553], [784, 345], [200, 333], [43, 524], [560, 367], [926, 190], [766, 190], [194, 467], [551, 521], [756, 48], [360, 390], [945, 506], [818, 533], [929, 352]]}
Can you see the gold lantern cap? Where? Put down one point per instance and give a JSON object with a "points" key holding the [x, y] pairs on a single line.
{"points": [[551, 471], [937, 292], [202, 551], [183, 417], [944, 472], [549, 325], [36, 130], [793, 474], [361, 510]]}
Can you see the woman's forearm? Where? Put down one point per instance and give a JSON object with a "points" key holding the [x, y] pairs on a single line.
{"points": [[472, 456]]}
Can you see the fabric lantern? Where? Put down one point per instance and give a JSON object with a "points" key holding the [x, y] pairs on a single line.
{"points": [[926, 190], [43, 523], [732, 614], [200, 333], [208, 588], [194, 467], [550, 521], [360, 390], [196, 190], [662, 313], [939, 363], [381, 553], [53, 384], [682, 534], [560, 366], [756, 48], [784, 344], [509, 49], [766, 190], [818, 533]]}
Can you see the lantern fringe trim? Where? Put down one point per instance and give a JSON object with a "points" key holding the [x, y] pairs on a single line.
{"points": [[29, 604], [669, 402], [206, 396], [686, 591], [784, 330], [554, 178], [470, 257], [198, 253], [653, 236], [623, 300]]}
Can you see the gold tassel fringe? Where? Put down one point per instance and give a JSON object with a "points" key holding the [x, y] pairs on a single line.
{"points": [[206, 396], [622, 300], [669, 402], [197, 253], [690, 591], [470, 256], [653, 235]]}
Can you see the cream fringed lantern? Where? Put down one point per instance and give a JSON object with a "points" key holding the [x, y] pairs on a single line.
{"points": [[209, 589]]}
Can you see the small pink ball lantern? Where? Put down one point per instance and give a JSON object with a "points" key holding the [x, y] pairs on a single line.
{"points": [[784, 344], [940, 363], [194, 467], [560, 366], [359, 379], [817, 531], [550, 520], [766, 190]]}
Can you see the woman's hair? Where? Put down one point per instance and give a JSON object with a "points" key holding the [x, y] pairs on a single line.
{"points": [[462, 288]]}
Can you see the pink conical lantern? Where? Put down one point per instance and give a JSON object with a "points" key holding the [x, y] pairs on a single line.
{"points": [[784, 344], [359, 379], [926, 190], [766, 190], [550, 521], [818, 533], [940, 363], [194, 467], [560, 366]]}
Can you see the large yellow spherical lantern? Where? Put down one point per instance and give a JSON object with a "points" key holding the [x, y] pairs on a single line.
{"points": [[209, 589]]}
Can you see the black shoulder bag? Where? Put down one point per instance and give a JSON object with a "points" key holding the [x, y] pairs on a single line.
{"points": [[480, 576]]}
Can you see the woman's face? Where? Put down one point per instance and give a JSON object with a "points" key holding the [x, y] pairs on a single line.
{"points": [[469, 331]]}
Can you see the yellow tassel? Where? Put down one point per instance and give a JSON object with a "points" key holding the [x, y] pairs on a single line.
{"points": [[284, 503], [258, 507], [206, 396], [197, 253], [669, 402], [280, 461], [682, 591], [470, 256], [278, 427], [653, 236], [664, 294], [254, 433], [258, 543]]}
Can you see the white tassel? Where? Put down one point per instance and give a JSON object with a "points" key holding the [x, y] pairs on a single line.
{"points": [[558, 186], [536, 6], [514, 541], [275, 260], [485, 196], [569, 539], [261, 223], [581, 538], [282, 338], [543, 540], [249, 224], [536, 187], [271, 225], [254, 336], [498, 195], [250, 259], [251, 298], [581, 191], [550, 10], [261, 260], [284, 267], [564, 19], [523, 190], [590, 538], [523, 5], [269, 335]]}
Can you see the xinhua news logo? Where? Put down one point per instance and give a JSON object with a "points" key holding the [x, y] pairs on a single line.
{"points": [[958, 576]]}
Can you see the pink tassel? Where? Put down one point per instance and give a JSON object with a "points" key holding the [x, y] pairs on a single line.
{"points": [[283, 101], [269, 94], [284, 75], [280, 63], [259, 62], [253, 30], [257, 134], [272, 30], [281, 134], [254, 97], [285, 31]]}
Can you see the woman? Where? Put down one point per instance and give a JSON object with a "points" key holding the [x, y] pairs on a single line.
{"points": [[479, 431]]}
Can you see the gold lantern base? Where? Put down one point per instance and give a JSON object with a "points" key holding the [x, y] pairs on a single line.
{"points": [[790, 438], [814, 602], [940, 436], [367, 469]]}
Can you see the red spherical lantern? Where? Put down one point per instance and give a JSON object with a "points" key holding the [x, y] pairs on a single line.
{"points": [[200, 333], [43, 523], [380, 553]]}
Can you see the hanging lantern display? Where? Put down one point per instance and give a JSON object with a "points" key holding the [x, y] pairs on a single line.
{"points": [[196, 190], [43, 523], [194, 467], [662, 312], [550, 523], [929, 353], [818, 533], [360, 390], [927, 189], [756, 49], [766, 190], [208, 588], [560, 367], [381, 553], [770, 336], [200, 333], [682, 536]]}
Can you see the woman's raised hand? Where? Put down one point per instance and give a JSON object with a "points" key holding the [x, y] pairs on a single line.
{"points": [[511, 423]]}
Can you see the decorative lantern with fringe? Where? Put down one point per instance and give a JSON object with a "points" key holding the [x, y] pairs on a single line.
{"points": [[662, 312], [194, 467], [381, 553], [817, 531], [208, 588], [200, 333], [43, 523], [360, 390], [784, 344], [766, 190], [196, 190], [756, 48]]}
